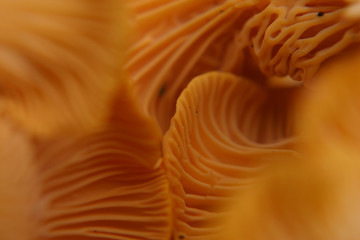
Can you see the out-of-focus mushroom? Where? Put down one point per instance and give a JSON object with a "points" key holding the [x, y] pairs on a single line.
{"points": [[179, 40], [59, 62], [332, 109], [303, 200], [226, 130], [19, 190]]}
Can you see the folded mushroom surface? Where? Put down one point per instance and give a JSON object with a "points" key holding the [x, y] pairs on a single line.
{"points": [[59, 62], [102, 187], [108, 184], [295, 37], [177, 40], [240, 116], [226, 130]]}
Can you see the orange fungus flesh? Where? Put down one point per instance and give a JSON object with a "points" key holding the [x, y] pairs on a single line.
{"points": [[225, 119]]}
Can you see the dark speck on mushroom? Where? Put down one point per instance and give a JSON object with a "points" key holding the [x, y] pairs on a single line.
{"points": [[162, 90], [320, 14]]}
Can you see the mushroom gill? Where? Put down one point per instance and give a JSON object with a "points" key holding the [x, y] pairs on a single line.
{"points": [[107, 185], [178, 40], [295, 37], [59, 62], [226, 130]]}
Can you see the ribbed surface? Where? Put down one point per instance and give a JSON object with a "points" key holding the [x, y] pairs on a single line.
{"points": [[102, 187], [181, 39], [225, 131], [59, 61], [178, 40], [108, 184], [295, 37]]}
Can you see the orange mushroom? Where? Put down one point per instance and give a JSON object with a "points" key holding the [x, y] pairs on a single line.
{"points": [[59, 62], [111, 182]]}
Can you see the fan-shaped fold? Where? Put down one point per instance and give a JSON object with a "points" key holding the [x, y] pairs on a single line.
{"points": [[109, 185], [226, 130], [59, 62]]}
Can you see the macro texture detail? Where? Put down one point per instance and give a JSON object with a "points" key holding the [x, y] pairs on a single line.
{"points": [[179, 119], [218, 143], [179, 40]]}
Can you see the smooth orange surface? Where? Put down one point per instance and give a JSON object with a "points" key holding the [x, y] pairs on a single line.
{"points": [[298, 201]]}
